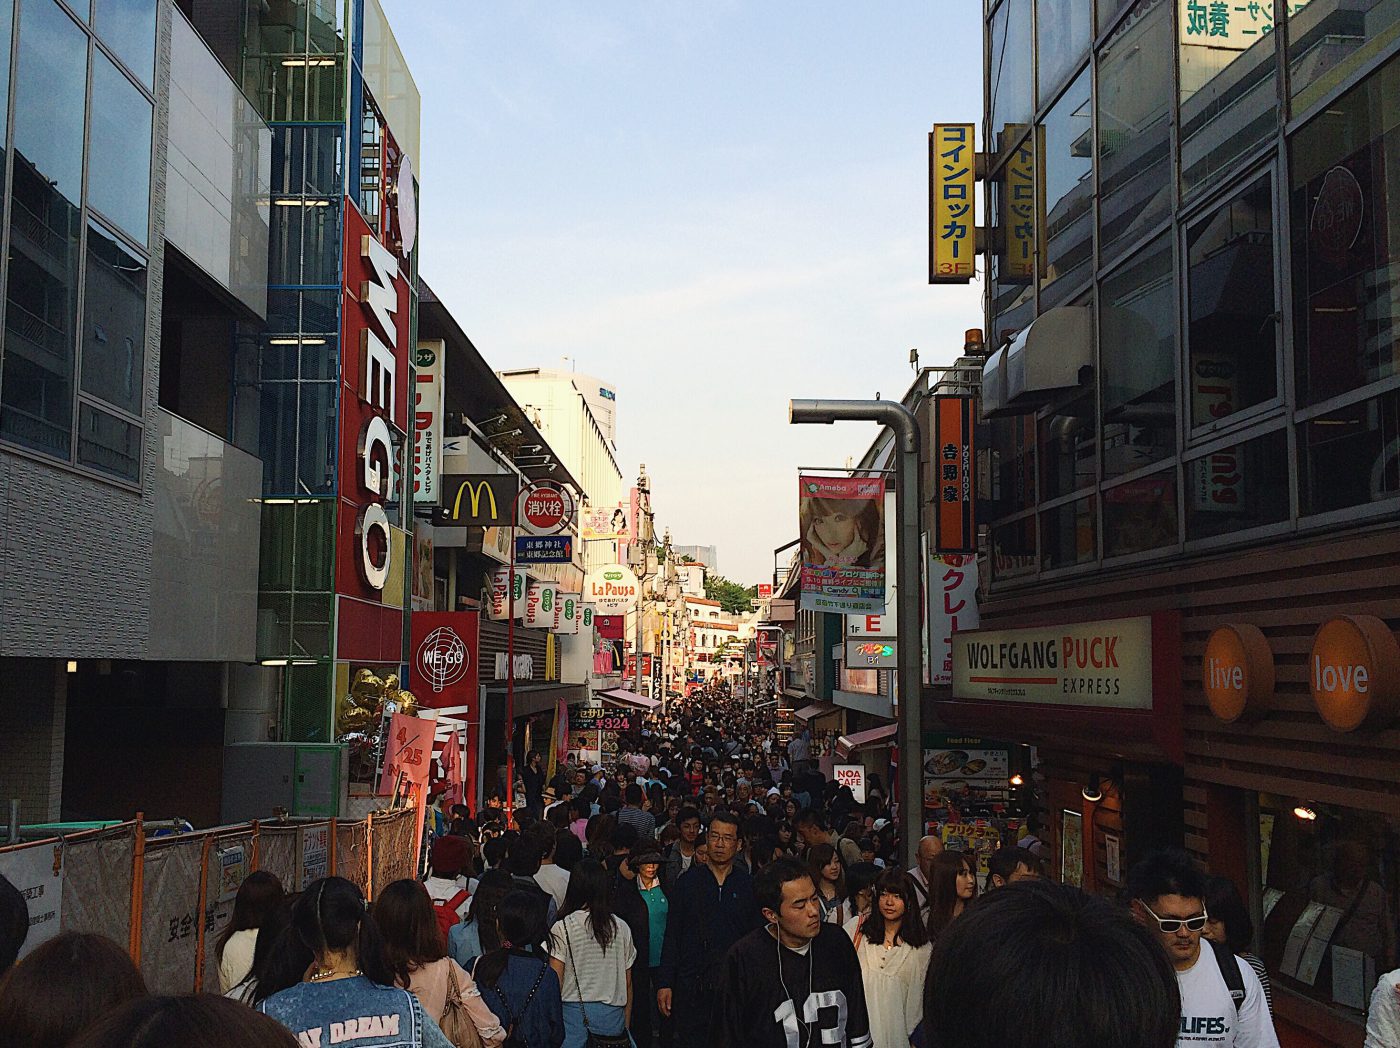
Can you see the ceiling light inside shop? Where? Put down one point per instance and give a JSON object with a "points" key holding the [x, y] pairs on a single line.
{"points": [[1306, 813], [1093, 791]]}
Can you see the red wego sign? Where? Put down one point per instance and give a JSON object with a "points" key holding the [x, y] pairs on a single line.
{"points": [[445, 676]]}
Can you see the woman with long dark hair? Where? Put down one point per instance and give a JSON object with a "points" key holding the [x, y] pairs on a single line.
{"points": [[592, 952], [516, 981], [63, 986], [951, 886], [477, 934], [893, 949], [257, 897], [417, 953], [275, 925], [332, 962], [824, 863]]}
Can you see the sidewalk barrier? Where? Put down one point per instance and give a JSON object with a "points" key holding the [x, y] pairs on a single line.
{"points": [[169, 898]]}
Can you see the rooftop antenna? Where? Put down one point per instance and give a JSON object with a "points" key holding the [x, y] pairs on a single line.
{"points": [[914, 359]]}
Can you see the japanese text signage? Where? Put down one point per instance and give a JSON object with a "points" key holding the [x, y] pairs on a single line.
{"points": [[544, 549], [952, 606], [599, 718], [1230, 24], [876, 653], [842, 521], [953, 487], [546, 510], [952, 162], [427, 421], [1104, 664], [1022, 205]]}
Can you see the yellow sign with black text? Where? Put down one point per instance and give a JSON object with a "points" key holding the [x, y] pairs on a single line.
{"points": [[952, 235]]}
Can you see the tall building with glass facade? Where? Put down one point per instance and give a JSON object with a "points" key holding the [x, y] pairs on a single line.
{"points": [[1192, 418]]}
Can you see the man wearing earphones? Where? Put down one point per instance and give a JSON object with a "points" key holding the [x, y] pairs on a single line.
{"points": [[794, 983]]}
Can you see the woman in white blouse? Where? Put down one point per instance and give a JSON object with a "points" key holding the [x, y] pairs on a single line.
{"points": [[893, 948]]}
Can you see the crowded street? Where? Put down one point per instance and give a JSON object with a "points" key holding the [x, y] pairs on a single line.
{"points": [[661, 524]]}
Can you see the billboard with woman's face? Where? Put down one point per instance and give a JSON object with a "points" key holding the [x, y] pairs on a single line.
{"points": [[843, 543]]}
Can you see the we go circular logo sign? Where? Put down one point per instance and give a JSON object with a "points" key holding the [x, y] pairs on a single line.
{"points": [[443, 658], [546, 510]]}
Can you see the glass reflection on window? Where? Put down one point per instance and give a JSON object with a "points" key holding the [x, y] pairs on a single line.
{"points": [[1013, 548], [1328, 40], [1012, 201], [1346, 259], [1067, 150], [1229, 99], [1062, 41], [1009, 66], [114, 322], [1012, 464], [1140, 514], [1068, 447], [119, 157], [128, 27], [1137, 359], [1069, 534], [1233, 332], [1133, 128], [1351, 456], [1239, 487]]}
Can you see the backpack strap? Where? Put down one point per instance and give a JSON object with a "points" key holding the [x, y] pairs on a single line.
{"points": [[1229, 971], [453, 903]]}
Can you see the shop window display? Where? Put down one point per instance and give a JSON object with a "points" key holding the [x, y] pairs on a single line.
{"points": [[1346, 259], [1140, 514], [1329, 894]]}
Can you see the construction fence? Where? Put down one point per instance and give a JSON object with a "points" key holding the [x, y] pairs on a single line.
{"points": [[168, 898]]}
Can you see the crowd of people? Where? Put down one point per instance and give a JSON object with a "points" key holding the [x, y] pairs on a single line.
{"points": [[708, 887]]}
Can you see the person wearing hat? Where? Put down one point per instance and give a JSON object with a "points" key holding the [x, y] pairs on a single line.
{"points": [[646, 861], [449, 883], [630, 908]]}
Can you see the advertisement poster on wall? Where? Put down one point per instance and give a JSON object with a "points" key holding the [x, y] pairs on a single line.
{"points": [[1072, 848], [842, 521], [606, 522]]}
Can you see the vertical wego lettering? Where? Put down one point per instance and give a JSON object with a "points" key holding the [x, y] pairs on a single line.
{"points": [[379, 297]]}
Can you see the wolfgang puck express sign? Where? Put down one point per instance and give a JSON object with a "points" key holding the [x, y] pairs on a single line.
{"points": [[1105, 663]]}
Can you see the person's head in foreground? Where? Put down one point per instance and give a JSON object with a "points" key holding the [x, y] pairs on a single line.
{"points": [[788, 900], [1069, 970]]}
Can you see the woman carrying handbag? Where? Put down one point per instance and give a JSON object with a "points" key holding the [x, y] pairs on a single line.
{"points": [[516, 981], [591, 952]]}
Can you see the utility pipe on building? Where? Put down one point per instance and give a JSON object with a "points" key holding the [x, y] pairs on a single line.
{"points": [[900, 420]]}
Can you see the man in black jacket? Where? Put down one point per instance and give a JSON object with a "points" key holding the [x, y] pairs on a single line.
{"points": [[795, 983], [712, 908]]}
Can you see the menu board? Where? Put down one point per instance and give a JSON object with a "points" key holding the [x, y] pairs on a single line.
{"points": [[964, 766]]}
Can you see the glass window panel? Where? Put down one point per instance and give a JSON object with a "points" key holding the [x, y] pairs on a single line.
{"points": [[1328, 40], [1011, 201], [1233, 331], [1140, 514], [114, 322], [128, 27], [36, 388], [1229, 100], [1137, 361], [6, 27], [1067, 148], [1109, 8], [306, 159], [321, 250], [1013, 548], [108, 443], [1244, 486], [1351, 457], [284, 243], [315, 545], [275, 551], [1009, 67], [1062, 41], [277, 437], [1069, 535], [318, 431], [51, 87], [119, 156], [1133, 125], [1011, 465], [1346, 247], [1068, 448]]}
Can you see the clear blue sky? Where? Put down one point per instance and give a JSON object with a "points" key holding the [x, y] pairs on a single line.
{"points": [[717, 206]]}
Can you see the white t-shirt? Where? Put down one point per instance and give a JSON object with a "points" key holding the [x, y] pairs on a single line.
{"points": [[594, 974], [555, 880], [1208, 1015], [1383, 1022]]}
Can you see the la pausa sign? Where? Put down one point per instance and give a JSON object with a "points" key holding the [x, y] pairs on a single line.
{"points": [[1104, 663]]}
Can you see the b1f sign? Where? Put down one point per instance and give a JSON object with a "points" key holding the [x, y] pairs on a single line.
{"points": [[852, 775], [952, 209]]}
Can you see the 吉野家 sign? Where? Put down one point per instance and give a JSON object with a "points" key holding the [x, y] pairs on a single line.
{"points": [[480, 501], [544, 549], [1106, 663], [952, 204], [953, 488], [872, 653]]}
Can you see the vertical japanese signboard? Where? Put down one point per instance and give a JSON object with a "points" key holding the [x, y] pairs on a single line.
{"points": [[952, 204], [427, 420], [952, 606], [954, 497], [1021, 206]]}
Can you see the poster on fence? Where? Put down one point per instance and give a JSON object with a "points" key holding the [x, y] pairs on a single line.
{"points": [[37, 871], [315, 854], [842, 523], [233, 868]]}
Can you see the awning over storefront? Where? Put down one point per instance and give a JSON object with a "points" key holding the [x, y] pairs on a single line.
{"points": [[539, 698], [816, 709], [623, 697], [849, 744]]}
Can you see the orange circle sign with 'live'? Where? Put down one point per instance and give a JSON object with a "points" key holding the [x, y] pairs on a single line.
{"points": [[1237, 673], [1354, 672]]}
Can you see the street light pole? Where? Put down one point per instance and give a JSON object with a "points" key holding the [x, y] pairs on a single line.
{"points": [[901, 421]]}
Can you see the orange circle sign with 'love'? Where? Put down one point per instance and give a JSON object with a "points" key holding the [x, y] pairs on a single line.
{"points": [[1354, 672]]}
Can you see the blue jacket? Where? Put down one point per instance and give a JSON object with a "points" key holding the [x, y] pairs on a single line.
{"points": [[704, 921], [358, 1010], [541, 1023]]}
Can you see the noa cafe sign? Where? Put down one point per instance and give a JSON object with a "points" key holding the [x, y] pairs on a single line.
{"points": [[611, 589]]}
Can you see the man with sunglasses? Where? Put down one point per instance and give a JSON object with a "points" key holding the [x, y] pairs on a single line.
{"points": [[1222, 1002]]}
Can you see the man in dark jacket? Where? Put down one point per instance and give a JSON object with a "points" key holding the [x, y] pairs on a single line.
{"points": [[712, 908]]}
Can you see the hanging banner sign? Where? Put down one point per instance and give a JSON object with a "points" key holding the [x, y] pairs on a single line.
{"points": [[427, 420], [612, 589], [606, 522], [953, 486], [539, 605], [477, 500], [952, 235], [501, 594], [952, 606], [843, 543], [568, 610], [409, 750], [586, 613], [445, 646]]}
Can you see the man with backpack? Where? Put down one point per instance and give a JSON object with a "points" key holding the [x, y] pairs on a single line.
{"points": [[1222, 1001]]}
